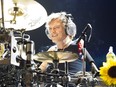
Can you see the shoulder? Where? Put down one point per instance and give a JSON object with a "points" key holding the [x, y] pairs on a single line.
{"points": [[72, 47], [74, 42], [52, 48]]}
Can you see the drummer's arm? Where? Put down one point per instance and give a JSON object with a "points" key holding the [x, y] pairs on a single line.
{"points": [[43, 66]]}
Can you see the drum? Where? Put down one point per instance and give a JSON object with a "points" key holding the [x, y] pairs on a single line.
{"points": [[2, 50], [4, 53], [100, 83], [87, 81], [4, 45], [83, 80]]}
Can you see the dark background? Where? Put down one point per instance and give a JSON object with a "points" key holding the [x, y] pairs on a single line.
{"points": [[101, 14]]}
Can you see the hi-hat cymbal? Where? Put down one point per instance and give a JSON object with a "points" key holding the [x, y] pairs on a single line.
{"points": [[23, 14], [61, 56]]}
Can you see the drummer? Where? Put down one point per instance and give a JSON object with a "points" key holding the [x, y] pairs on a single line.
{"points": [[61, 29]]}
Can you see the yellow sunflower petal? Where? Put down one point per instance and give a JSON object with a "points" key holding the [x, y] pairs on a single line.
{"points": [[104, 70]]}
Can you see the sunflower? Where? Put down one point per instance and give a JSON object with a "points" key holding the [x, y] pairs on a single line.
{"points": [[108, 72]]}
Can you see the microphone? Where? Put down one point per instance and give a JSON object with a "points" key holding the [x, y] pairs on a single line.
{"points": [[90, 59], [88, 26]]}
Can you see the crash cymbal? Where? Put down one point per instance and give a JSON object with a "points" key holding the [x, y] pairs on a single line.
{"points": [[23, 14], [61, 56]]}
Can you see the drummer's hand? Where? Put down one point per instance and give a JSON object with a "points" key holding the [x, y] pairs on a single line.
{"points": [[80, 46], [43, 66]]}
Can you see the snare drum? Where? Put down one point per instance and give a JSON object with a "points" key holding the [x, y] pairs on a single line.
{"points": [[87, 81]]}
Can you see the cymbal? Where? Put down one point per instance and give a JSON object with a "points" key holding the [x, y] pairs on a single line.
{"points": [[61, 56], [23, 14]]}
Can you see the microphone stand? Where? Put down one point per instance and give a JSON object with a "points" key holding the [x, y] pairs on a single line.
{"points": [[83, 79], [84, 55]]}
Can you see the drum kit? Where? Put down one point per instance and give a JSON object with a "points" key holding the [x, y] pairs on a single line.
{"points": [[18, 61]]}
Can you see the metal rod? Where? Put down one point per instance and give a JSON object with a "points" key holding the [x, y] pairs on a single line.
{"points": [[2, 9]]}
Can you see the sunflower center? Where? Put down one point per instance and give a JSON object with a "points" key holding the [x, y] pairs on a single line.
{"points": [[112, 72]]}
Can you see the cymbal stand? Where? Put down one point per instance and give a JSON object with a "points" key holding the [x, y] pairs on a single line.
{"points": [[55, 78], [66, 73], [55, 71]]}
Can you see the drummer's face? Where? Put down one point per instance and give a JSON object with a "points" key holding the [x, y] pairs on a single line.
{"points": [[57, 30]]}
